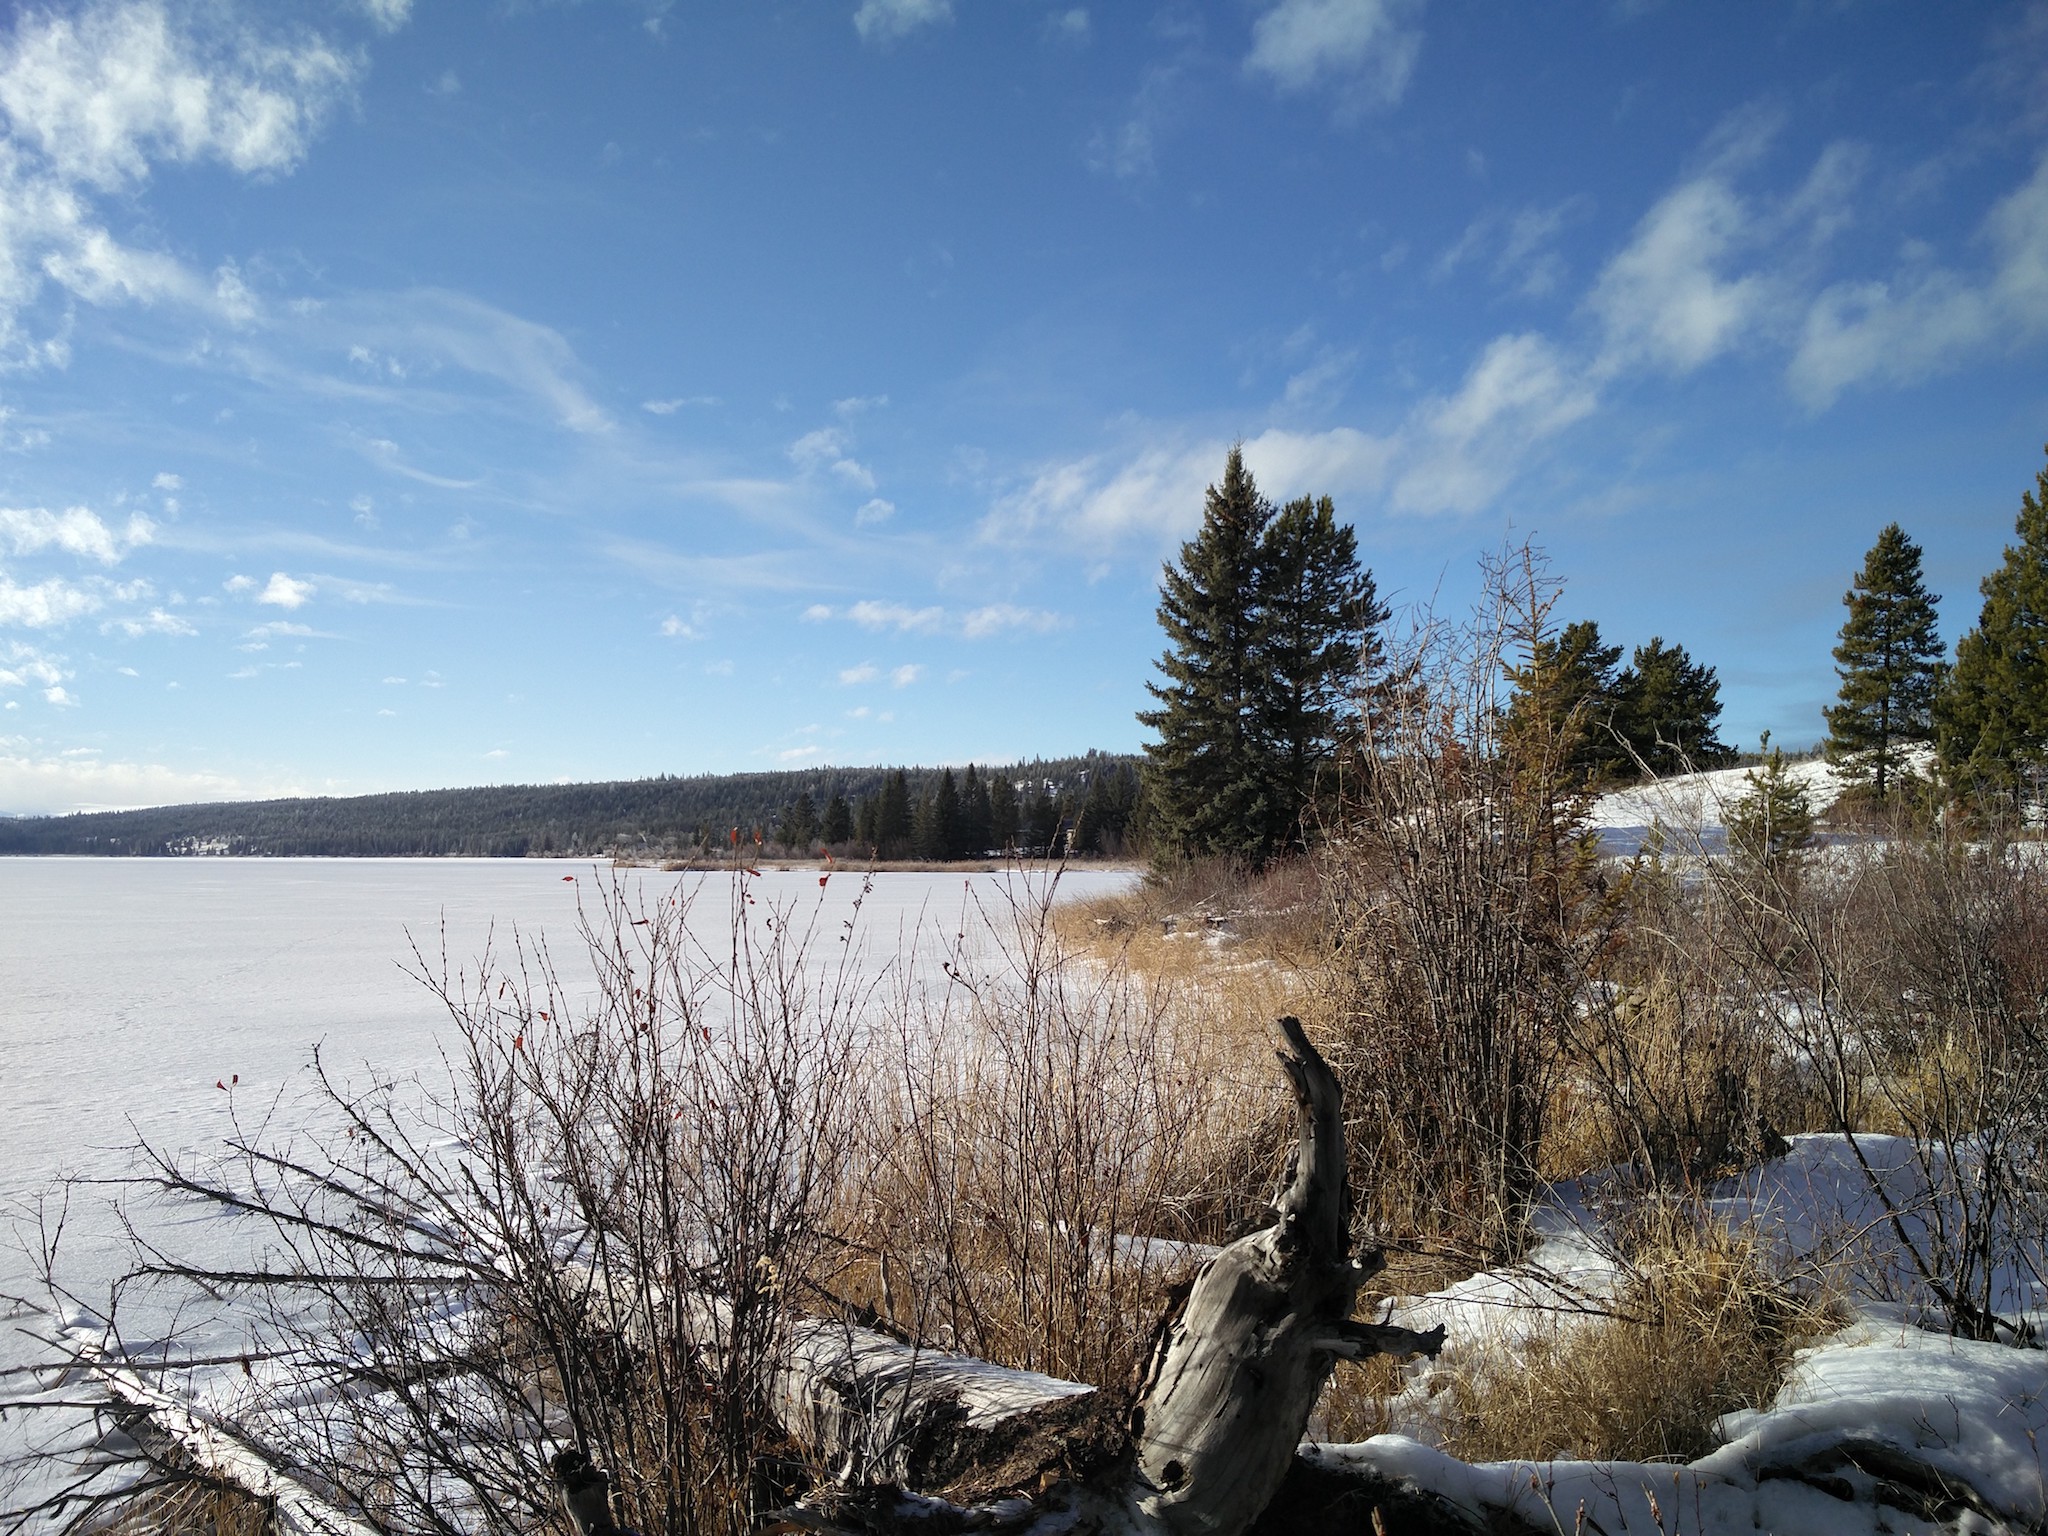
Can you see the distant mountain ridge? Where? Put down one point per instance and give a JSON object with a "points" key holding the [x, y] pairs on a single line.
{"points": [[650, 817]]}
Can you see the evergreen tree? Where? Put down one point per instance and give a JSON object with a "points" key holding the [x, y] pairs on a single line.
{"points": [[892, 817], [867, 822], [1992, 716], [798, 824], [937, 821], [1665, 708], [1002, 813], [1318, 624], [1889, 661], [976, 816], [837, 826], [1208, 779], [1569, 687], [1103, 824], [1041, 821], [1269, 620], [1774, 819]]}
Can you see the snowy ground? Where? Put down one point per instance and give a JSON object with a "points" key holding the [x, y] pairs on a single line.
{"points": [[1696, 802], [1887, 1426]]}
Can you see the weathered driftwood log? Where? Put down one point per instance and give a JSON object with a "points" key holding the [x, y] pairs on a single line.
{"points": [[1237, 1369], [879, 1411]]}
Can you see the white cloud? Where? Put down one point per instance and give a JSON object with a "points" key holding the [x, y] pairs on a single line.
{"points": [[61, 697], [1663, 300], [365, 511], [670, 407], [1369, 46], [22, 665], [237, 583], [885, 20], [873, 512], [722, 668], [45, 605], [826, 448], [75, 530], [57, 784], [1130, 150], [1069, 26], [106, 92], [1157, 490], [92, 100], [904, 676], [155, 622], [864, 673], [1321, 380], [817, 613], [456, 329], [166, 481], [1461, 450], [677, 628], [388, 15], [283, 591], [1928, 317], [869, 614], [996, 618]]}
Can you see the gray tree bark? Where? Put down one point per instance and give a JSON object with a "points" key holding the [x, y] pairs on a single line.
{"points": [[1237, 1370]]}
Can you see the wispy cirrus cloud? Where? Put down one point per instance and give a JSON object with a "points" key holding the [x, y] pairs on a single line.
{"points": [[981, 623]]}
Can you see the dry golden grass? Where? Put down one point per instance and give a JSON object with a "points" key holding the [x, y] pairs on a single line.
{"points": [[1703, 1327], [193, 1509]]}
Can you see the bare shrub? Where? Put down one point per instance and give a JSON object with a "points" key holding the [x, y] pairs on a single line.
{"points": [[597, 1235], [1909, 983], [1465, 901], [1042, 1148], [1674, 1074]]}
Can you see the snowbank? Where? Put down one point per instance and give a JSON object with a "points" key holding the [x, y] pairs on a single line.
{"points": [[1878, 1429]]}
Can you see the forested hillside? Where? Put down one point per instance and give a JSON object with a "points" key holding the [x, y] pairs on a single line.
{"points": [[660, 816]]}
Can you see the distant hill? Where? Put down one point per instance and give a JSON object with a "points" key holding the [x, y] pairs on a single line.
{"points": [[648, 817]]}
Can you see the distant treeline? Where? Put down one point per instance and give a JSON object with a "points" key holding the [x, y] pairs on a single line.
{"points": [[1088, 804]]}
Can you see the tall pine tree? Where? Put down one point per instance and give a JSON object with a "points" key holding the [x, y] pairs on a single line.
{"points": [[1318, 630], [1269, 620], [1002, 814], [1208, 777], [1889, 661], [892, 817], [1991, 720]]}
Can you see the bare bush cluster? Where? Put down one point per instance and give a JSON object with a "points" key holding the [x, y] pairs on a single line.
{"points": [[1464, 902]]}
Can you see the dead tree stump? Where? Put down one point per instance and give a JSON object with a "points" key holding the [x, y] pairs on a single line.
{"points": [[1236, 1371]]}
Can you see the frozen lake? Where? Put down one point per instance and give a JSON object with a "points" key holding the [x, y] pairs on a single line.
{"points": [[130, 987]]}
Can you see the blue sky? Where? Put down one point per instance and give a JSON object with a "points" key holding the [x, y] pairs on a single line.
{"points": [[396, 395]]}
